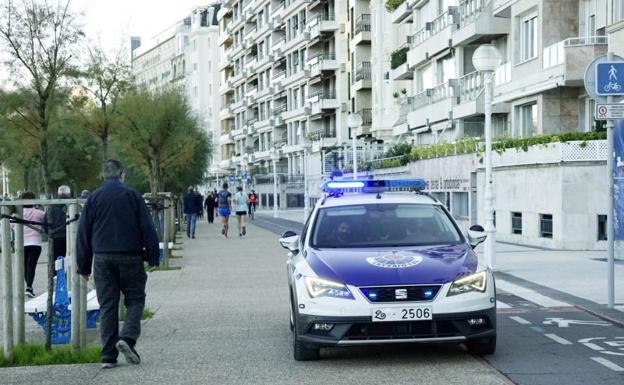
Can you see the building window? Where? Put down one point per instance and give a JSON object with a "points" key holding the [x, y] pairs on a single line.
{"points": [[546, 225], [618, 10], [516, 223], [527, 120], [460, 205], [528, 39], [602, 227]]}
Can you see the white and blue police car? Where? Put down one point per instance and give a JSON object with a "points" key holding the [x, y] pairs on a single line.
{"points": [[373, 266]]}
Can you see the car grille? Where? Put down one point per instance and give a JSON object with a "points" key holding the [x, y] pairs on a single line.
{"points": [[401, 330], [400, 293]]}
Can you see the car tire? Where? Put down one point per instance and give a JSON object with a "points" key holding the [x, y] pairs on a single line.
{"points": [[482, 347], [301, 352]]}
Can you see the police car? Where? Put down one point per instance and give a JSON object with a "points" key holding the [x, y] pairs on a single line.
{"points": [[376, 266]]}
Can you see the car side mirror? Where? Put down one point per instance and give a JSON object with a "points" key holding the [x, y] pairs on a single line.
{"points": [[476, 235], [290, 241]]}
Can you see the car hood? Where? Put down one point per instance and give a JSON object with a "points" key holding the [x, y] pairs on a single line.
{"points": [[417, 265]]}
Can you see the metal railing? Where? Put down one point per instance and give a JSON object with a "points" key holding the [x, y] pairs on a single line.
{"points": [[320, 134], [323, 94], [320, 56], [367, 116], [363, 71], [363, 23], [431, 29], [278, 73]]}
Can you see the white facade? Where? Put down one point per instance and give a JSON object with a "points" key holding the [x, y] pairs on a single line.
{"points": [[187, 56]]}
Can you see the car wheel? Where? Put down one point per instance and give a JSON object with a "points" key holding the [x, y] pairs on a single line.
{"points": [[482, 347], [300, 351]]}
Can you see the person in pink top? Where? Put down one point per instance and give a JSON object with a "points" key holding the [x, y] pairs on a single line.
{"points": [[32, 242]]}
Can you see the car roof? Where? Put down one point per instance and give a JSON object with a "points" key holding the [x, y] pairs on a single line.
{"points": [[371, 198]]}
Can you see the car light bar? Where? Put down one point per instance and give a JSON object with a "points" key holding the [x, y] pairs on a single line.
{"points": [[334, 187]]}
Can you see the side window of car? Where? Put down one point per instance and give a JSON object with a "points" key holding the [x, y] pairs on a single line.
{"points": [[304, 232]]}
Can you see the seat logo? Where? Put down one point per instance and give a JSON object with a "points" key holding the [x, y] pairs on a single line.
{"points": [[395, 261], [400, 293]]}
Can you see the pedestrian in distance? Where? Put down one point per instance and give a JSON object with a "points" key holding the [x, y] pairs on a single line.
{"points": [[32, 241], [224, 201], [84, 194], [116, 235], [58, 230], [209, 205], [200, 203], [192, 206], [240, 204], [252, 201]]}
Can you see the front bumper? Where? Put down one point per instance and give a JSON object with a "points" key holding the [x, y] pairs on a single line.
{"points": [[353, 331]]}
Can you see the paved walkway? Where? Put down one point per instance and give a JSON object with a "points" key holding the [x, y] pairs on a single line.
{"points": [[223, 319]]}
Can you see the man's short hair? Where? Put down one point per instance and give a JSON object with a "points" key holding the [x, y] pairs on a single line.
{"points": [[112, 169], [190, 189], [225, 186], [64, 191]]}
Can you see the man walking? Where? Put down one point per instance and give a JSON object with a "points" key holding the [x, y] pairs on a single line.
{"points": [[191, 209], [116, 234], [224, 200], [58, 231], [210, 204]]}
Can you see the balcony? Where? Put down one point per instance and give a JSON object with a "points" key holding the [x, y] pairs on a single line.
{"points": [[430, 106], [295, 113], [362, 32], [502, 8], [226, 164], [295, 77], [367, 121], [226, 113], [226, 139], [569, 58], [264, 60], [239, 133], [225, 38], [362, 78], [296, 41], [262, 155], [238, 105], [226, 88], [322, 138], [324, 61], [262, 93], [277, 10], [400, 126], [320, 24], [322, 100], [403, 13], [277, 50], [236, 23], [477, 21], [433, 38]]}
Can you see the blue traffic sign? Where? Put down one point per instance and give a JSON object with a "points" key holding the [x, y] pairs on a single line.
{"points": [[244, 175], [610, 78], [232, 177]]}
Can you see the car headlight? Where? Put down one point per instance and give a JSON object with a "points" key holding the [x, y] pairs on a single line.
{"points": [[471, 283], [318, 287]]}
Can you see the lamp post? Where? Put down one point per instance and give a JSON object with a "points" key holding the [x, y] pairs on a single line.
{"points": [[274, 158], [306, 147], [486, 60], [354, 121], [244, 163]]}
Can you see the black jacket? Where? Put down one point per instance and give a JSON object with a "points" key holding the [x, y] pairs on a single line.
{"points": [[115, 220], [58, 229], [192, 203]]}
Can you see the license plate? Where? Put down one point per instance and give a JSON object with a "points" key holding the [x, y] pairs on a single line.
{"points": [[420, 313]]}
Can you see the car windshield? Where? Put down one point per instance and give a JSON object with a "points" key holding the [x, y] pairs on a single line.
{"points": [[383, 225]]}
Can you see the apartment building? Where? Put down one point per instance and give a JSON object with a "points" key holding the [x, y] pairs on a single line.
{"points": [[554, 196], [291, 71], [186, 55]]}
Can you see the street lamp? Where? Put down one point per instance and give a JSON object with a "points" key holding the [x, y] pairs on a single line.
{"points": [[354, 121], [486, 59], [306, 147], [244, 163], [274, 158]]}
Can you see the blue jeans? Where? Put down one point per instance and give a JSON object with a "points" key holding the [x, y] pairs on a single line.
{"points": [[191, 224]]}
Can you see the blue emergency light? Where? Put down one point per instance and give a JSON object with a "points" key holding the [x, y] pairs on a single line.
{"points": [[337, 187]]}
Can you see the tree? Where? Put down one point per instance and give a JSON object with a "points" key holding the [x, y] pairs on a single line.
{"points": [[161, 137], [40, 37], [104, 81]]}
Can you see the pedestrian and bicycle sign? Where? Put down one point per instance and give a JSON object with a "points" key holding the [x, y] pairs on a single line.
{"points": [[610, 78], [609, 111], [232, 177]]}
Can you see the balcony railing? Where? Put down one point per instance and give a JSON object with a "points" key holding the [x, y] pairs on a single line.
{"points": [[502, 74], [554, 54], [441, 92], [470, 86], [279, 73], [278, 7], [363, 23], [431, 29], [314, 20], [279, 109], [323, 94], [363, 71], [469, 10], [367, 116], [322, 56], [320, 134], [250, 30]]}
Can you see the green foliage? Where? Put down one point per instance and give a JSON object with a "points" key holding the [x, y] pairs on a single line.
{"points": [[161, 138], [391, 5], [32, 355], [401, 156], [398, 57]]}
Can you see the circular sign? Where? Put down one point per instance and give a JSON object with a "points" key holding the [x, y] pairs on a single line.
{"points": [[603, 110], [590, 79], [395, 261]]}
